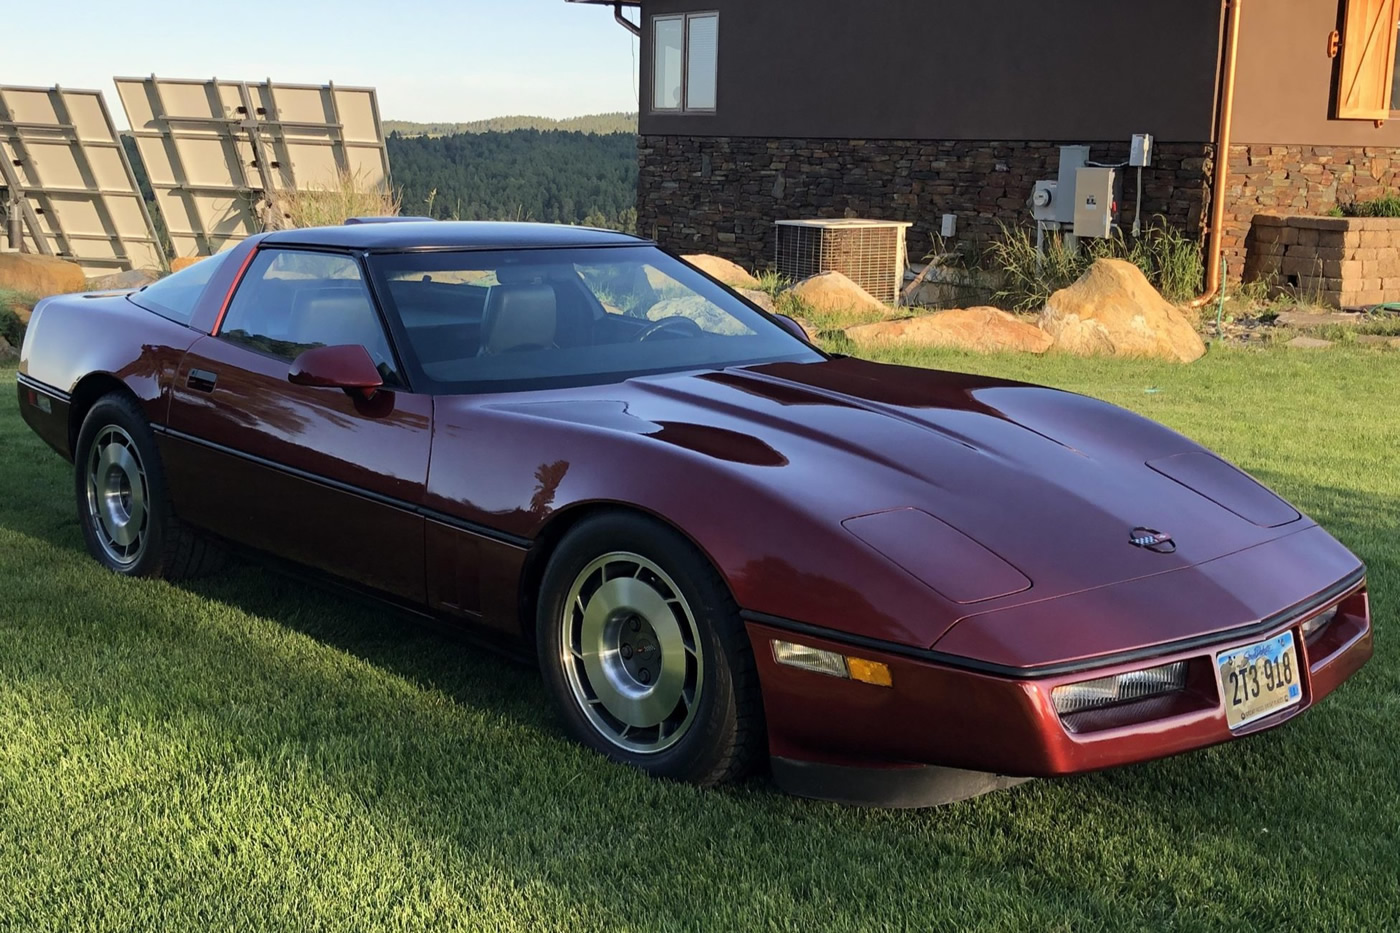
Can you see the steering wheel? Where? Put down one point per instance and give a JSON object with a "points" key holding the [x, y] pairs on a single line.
{"points": [[683, 327]]}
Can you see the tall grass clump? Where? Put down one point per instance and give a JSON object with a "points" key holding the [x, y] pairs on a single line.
{"points": [[772, 284], [1028, 277], [350, 194], [1387, 205], [1170, 260]]}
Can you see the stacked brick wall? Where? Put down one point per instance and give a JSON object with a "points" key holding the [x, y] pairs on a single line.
{"points": [[722, 195], [1340, 261], [1299, 180]]}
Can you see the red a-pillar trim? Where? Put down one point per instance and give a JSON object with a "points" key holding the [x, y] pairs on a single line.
{"points": [[233, 286]]}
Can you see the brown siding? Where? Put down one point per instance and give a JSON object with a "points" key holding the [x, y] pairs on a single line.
{"points": [[946, 70], [1285, 82]]}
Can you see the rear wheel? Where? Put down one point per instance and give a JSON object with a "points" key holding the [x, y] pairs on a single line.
{"points": [[123, 506], [643, 649]]}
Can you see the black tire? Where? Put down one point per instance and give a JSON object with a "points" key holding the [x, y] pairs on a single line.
{"points": [[725, 736], [162, 545]]}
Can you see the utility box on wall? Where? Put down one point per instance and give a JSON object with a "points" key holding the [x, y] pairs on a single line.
{"points": [[1094, 197]]}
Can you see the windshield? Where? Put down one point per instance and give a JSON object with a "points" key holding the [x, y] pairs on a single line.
{"points": [[492, 321], [175, 296]]}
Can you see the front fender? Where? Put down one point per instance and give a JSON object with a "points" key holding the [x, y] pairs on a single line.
{"points": [[782, 553]]}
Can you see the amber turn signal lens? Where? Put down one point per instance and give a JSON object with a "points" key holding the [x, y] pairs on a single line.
{"points": [[870, 672], [829, 662]]}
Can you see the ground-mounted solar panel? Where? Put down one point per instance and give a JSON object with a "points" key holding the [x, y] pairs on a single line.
{"points": [[69, 182], [218, 152]]}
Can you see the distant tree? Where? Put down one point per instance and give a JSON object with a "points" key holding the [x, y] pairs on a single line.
{"points": [[525, 174], [598, 123]]}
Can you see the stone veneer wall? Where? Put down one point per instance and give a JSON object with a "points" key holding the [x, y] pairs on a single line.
{"points": [[1299, 180], [722, 195], [1340, 261]]}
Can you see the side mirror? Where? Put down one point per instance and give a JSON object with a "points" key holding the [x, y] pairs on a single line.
{"points": [[792, 327], [347, 367]]}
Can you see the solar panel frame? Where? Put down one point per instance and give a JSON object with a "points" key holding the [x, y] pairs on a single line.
{"points": [[217, 152], [71, 182]]}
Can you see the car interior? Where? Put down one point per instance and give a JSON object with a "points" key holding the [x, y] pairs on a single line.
{"points": [[524, 318], [535, 308]]}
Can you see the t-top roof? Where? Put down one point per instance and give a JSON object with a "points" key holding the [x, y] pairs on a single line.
{"points": [[435, 234]]}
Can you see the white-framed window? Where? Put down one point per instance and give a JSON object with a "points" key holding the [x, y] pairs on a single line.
{"points": [[685, 63]]}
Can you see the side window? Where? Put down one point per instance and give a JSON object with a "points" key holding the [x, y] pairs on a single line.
{"points": [[293, 300]]}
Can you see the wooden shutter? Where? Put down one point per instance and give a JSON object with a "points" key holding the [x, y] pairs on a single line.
{"points": [[1367, 60]]}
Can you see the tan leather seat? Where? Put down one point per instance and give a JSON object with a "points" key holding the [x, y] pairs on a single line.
{"points": [[519, 317], [338, 316]]}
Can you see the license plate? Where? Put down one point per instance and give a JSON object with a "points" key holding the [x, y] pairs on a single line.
{"points": [[1259, 679]]}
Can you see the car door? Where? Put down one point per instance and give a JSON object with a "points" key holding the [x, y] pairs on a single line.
{"points": [[321, 476]]}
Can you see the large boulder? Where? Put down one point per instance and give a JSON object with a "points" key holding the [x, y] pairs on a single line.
{"points": [[8, 354], [183, 262], [984, 330], [833, 292], [1114, 310], [132, 278], [40, 276], [727, 272], [700, 311]]}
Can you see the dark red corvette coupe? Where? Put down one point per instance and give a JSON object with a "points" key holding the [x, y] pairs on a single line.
{"points": [[901, 586]]}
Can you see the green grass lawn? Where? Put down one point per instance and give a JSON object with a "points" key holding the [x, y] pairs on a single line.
{"points": [[247, 752]]}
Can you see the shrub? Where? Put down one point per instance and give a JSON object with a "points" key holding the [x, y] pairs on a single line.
{"points": [[11, 327], [1387, 205], [1170, 260]]}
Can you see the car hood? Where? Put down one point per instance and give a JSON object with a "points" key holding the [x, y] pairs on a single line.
{"points": [[995, 490]]}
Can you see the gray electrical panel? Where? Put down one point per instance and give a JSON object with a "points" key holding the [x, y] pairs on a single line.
{"points": [[1072, 159], [1093, 201], [1140, 155]]}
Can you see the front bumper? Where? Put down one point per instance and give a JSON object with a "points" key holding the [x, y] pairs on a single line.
{"points": [[944, 716]]}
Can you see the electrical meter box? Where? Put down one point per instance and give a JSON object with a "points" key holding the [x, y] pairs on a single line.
{"points": [[1094, 195], [1043, 203]]}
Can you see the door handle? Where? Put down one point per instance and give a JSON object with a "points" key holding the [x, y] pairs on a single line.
{"points": [[202, 379]]}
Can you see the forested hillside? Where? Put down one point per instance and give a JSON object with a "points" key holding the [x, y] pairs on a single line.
{"points": [[550, 176], [602, 123]]}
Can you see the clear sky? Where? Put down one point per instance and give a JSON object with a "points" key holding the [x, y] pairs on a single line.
{"points": [[431, 60]]}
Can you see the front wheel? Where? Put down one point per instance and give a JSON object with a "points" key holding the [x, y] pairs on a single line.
{"points": [[643, 650], [123, 506]]}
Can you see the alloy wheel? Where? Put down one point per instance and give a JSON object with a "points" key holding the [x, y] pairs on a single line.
{"points": [[632, 655], [117, 496]]}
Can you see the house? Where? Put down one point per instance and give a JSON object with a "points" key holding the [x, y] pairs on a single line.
{"points": [[760, 110]]}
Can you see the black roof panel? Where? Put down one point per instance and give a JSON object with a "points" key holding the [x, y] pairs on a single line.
{"points": [[439, 234]]}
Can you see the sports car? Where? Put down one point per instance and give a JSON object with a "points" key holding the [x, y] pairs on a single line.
{"points": [[725, 547]]}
